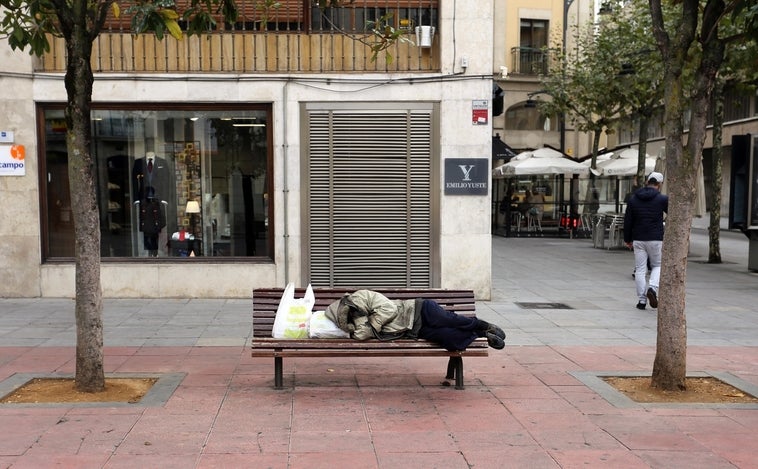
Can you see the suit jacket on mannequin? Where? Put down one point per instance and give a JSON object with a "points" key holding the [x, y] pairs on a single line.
{"points": [[159, 178]]}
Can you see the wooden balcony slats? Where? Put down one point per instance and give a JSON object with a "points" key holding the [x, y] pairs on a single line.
{"points": [[241, 52]]}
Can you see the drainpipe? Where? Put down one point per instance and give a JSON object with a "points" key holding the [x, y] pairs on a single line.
{"points": [[285, 183]]}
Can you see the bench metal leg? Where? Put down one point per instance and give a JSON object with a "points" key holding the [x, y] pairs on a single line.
{"points": [[455, 370], [278, 381]]}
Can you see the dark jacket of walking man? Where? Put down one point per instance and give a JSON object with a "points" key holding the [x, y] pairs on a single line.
{"points": [[643, 231]]}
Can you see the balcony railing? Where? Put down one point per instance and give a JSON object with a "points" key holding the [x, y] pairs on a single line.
{"points": [[295, 37], [529, 61]]}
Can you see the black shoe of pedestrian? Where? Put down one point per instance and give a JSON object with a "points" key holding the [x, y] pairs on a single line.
{"points": [[640, 305], [652, 298], [495, 341]]}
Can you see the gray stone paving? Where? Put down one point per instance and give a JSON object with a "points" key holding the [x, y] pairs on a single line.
{"points": [[722, 302]]}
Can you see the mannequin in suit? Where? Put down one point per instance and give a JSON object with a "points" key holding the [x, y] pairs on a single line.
{"points": [[152, 220], [153, 184], [151, 172]]}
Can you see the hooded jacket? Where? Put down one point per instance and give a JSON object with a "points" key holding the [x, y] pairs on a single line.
{"points": [[367, 314], [643, 220]]}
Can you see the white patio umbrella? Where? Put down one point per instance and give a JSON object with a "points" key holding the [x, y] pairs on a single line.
{"points": [[624, 163], [541, 161], [600, 158]]}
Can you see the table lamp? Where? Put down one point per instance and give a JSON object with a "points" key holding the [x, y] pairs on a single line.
{"points": [[193, 207]]}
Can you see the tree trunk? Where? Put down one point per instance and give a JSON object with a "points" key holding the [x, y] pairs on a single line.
{"points": [[670, 365], [714, 230], [595, 148], [89, 325]]}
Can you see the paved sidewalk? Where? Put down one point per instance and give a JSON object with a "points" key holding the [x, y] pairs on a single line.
{"points": [[536, 404]]}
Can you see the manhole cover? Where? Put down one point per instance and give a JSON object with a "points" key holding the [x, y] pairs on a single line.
{"points": [[543, 305]]}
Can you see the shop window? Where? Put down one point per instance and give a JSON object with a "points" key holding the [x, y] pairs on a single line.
{"points": [[192, 182]]}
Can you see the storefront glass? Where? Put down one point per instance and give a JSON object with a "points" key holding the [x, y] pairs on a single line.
{"points": [[171, 183]]}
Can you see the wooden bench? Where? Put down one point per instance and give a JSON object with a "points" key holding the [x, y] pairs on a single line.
{"points": [[266, 300]]}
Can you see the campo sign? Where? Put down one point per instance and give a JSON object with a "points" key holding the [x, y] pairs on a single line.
{"points": [[12, 160]]}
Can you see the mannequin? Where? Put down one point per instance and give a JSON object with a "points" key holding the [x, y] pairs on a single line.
{"points": [[151, 171], [152, 219]]}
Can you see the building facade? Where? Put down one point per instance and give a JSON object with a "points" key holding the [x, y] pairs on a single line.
{"points": [[529, 34], [275, 151]]}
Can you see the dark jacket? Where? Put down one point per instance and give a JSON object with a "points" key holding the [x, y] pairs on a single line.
{"points": [[152, 216], [643, 220]]}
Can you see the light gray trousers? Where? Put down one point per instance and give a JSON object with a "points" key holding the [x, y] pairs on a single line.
{"points": [[644, 250]]}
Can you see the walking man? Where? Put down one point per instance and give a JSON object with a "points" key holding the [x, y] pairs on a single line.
{"points": [[643, 231]]}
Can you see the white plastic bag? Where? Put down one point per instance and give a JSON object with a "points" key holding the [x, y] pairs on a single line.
{"points": [[321, 327], [293, 314]]}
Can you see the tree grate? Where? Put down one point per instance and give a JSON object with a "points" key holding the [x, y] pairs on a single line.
{"points": [[543, 305]]}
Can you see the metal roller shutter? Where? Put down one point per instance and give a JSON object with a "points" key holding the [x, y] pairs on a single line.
{"points": [[369, 197]]}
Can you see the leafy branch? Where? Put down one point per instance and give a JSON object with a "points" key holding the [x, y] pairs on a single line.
{"points": [[383, 34]]}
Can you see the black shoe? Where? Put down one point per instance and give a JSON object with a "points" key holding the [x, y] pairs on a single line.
{"points": [[495, 341], [640, 305], [652, 298], [493, 329], [483, 327]]}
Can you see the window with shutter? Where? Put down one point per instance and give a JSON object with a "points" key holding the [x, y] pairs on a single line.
{"points": [[370, 218]]}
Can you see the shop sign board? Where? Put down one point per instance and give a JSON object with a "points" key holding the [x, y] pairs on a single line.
{"points": [[466, 176], [12, 160]]}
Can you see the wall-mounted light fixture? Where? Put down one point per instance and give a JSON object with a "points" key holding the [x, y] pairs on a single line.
{"points": [[530, 101]]}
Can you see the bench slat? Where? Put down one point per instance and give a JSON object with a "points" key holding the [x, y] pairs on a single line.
{"points": [[368, 353], [350, 344]]}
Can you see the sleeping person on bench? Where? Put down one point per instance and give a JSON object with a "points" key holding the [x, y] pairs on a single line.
{"points": [[367, 314]]}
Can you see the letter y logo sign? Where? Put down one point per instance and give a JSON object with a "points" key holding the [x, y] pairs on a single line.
{"points": [[466, 170]]}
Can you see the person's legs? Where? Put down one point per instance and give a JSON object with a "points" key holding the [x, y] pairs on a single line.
{"points": [[453, 331], [434, 315], [640, 270], [654, 253], [449, 337]]}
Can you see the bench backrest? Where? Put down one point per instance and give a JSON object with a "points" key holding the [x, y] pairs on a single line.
{"points": [[266, 301]]}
